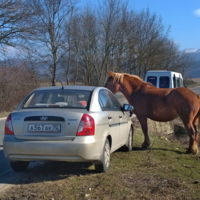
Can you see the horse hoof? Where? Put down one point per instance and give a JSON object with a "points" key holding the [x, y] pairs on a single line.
{"points": [[145, 146], [194, 151], [188, 151]]}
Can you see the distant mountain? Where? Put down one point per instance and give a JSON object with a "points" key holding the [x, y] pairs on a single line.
{"points": [[192, 50], [195, 70]]}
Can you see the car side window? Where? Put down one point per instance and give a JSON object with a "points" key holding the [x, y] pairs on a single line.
{"points": [[115, 103], [104, 101]]}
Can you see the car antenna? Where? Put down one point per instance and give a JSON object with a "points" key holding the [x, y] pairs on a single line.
{"points": [[62, 85]]}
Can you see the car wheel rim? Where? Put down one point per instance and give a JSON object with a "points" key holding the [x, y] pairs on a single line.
{"points": [[107, 155]]}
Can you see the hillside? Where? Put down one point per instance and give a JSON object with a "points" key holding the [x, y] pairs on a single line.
{"points": [[194, 72]]}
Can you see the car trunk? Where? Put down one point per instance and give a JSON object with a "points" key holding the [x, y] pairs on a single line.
{"points": [[51, 124]]}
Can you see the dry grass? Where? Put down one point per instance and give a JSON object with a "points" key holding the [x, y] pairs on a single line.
{"points": [[4, 114], [162, 172], [191, 83]]}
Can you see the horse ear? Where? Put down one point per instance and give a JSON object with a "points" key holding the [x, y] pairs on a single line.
{"points": [[110, 73]]}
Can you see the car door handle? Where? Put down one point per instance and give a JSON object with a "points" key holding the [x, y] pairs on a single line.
{"points": [[120, 116], [109, 117]]}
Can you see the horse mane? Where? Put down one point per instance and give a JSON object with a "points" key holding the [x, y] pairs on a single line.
{"points": [[119, 77]]}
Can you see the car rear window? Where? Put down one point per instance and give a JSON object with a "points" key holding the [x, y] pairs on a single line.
{"points": [[58, 98], [152, 80], [164, 82]]}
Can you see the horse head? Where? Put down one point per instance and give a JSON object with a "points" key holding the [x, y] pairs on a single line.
{"points": [[113, 83]]}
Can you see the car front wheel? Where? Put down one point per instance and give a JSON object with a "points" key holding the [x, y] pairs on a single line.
{"points": [[19, 166], [104, 166]]}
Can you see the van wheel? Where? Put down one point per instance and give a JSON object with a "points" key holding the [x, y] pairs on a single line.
{"points": [[104, 166], [129, 142], [19, 166]]}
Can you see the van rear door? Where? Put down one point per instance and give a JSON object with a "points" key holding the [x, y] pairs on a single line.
{"points": [[164, 81], [177, 80]]}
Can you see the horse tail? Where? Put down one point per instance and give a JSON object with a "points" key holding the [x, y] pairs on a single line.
{"points": [[198, 114]]}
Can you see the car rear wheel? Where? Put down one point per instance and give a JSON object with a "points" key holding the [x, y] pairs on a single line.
{"points": [[129, 142], [19, 166], [104, 166]]}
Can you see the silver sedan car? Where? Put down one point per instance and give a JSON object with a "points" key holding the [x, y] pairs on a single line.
{"points": [[70, 123]]}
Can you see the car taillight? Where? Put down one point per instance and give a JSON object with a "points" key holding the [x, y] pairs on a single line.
{"points": [[8, 126], [86, 126]]}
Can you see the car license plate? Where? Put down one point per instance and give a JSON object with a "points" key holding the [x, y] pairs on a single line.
{"points": [[45, 128]]}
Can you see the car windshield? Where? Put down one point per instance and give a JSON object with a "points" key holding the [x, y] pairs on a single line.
{"points": [[58, 98]]}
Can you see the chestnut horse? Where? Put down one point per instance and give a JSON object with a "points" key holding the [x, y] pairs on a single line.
{"points": [[158, 104]]}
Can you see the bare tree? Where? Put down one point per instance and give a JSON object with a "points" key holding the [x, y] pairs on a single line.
{"points": [[82, 45], [150, 36], [15, 20], [110, 16], [48, 45], [81, 59], [88, 47], [96, 36]]}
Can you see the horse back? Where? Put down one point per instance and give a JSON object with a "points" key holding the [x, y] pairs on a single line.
{"points": [[165, 104]]}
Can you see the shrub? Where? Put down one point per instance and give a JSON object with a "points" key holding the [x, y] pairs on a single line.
{"points": [[15, 83]]}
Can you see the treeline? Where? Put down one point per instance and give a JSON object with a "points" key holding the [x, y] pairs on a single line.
{"points": [[61, 40]]}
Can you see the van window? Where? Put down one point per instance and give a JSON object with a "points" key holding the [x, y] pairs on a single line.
{"points": [[179, 82], [164, 82], [152, 80]]}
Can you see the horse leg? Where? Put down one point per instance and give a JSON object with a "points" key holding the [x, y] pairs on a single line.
{"points": [[195, 125], [143, 123], [193, 147]]}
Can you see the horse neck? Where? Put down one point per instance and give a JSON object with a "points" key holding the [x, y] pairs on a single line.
{"points": [[130, 86]]}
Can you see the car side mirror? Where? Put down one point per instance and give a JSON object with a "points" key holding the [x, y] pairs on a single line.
{"points": [[127, 107]]}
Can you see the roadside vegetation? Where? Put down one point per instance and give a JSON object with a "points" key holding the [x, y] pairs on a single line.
{"points": [[192, 82], [4, 114], [163, 171]]}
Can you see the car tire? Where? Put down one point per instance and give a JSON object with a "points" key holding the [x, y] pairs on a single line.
{"points": [[129, 143], [104, 166], [19, 166]]}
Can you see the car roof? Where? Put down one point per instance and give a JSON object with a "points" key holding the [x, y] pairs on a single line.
{"points": [[69, 87], [161, 71]]}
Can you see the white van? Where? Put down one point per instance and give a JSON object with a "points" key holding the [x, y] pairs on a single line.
{"points": [[164, 79]]}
